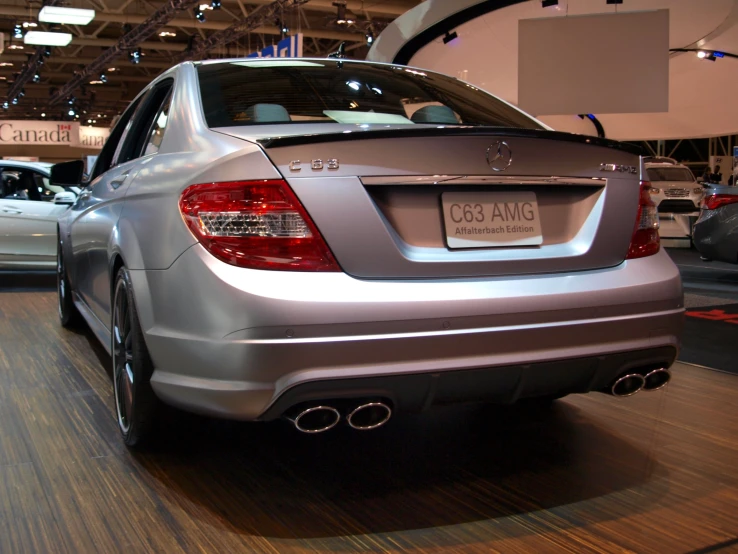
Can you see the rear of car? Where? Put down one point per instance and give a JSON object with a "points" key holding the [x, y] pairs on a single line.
{"points": [[416, 241], [716, 230]]}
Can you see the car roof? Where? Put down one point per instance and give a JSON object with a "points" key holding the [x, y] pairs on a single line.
{"points": [[44, 167]]}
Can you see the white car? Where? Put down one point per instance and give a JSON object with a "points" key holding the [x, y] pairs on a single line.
{"points": [[28, 215], [674, 188]]}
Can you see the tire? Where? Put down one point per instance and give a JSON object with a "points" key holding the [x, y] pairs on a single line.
{"points": [[68, 314], [136, 405]]}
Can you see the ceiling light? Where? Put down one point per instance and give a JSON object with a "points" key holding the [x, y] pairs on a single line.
{"points": [[103, 78], [43, 38], [3, 78], [97, 82], [203, 7], [6, 64], [135, 56], [701, 54], [31, 24], [47, 51], [15, 101], [43, 114], [5, 105], [36, 78], [68, 16], [215, 4], [200, 16], [167, 34], [16, 46], [369, 38], [111, 69]]}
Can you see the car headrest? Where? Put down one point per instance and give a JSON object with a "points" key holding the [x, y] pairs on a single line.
{"points": [[267, 113], [435, 114]]}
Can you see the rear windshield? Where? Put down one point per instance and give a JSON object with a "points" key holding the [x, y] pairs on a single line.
{"points": [[300, 91], [669, 174]]}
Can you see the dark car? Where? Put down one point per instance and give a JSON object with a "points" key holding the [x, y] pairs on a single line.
{"points": [[716, 231]]}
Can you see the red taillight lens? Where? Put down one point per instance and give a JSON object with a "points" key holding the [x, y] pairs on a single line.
{"points": [[645, 241], [714, 201], [255, 224]]}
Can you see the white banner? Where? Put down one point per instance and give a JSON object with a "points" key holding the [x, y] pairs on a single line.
{"points": [[56, 133]]}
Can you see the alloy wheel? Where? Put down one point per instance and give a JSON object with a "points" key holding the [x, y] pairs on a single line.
{"points": [[122, 358]]}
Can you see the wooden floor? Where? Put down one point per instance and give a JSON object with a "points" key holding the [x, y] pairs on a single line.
{"points": [[655, 473]]}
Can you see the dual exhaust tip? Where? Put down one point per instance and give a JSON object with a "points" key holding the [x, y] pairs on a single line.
{"points": [[631, 383], [364, 417]]}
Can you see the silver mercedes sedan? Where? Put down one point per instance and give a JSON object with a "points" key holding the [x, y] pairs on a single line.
{"points": [[331, 241]]}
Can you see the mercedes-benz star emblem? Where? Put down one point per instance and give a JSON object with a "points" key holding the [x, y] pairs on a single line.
{"points": [[499, 156]]}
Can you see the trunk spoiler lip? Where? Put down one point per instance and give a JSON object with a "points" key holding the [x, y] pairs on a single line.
{"points": [[318, 138]]}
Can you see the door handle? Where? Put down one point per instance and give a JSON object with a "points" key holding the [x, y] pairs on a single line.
{"points": [[118, 181], [11, 211]]}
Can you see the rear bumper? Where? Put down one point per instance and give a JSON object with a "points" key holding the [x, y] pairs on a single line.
{"points": [[247, 344]]}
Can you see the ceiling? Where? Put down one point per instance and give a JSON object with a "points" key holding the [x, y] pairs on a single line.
{"points": [[315, 19]]}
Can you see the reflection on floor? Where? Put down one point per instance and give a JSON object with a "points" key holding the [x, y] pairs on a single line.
{"points": [[654, 473]]}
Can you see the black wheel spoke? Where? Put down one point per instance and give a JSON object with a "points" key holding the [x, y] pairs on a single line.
{"points": [[123, 358]]}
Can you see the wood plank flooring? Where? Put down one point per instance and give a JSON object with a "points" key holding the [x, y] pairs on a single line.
{"points": [[654, 473]]}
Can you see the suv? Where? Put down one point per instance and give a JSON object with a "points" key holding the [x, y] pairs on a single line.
{"points": [[674, 188]]}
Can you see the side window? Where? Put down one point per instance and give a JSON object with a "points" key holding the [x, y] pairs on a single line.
{"points": [[137, 135], [19, 184], [156, 135], [47, 190], [107, 154]]}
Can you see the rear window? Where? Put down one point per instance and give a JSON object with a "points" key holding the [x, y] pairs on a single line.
{"points": [[669, 174], [333, 91]]}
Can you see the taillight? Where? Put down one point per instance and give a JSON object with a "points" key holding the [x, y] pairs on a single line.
{"points": [[645, 241], [255, 224], [714, 201]]}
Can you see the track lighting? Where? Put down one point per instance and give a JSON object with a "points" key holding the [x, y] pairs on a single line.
{"points": [[200, 16], [215, 4]]}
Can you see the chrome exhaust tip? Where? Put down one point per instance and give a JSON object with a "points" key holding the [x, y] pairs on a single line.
{"points": [[657, 379], [315, 419], [627, 385], [369, 416]]}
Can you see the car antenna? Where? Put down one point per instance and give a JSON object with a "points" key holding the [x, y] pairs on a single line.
{"points": [[340, 54]]}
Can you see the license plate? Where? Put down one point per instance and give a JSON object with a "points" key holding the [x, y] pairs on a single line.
{"points": [[491, 219]]}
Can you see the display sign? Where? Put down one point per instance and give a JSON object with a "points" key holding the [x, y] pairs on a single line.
{"points": [[51, 133], [288, 47]]}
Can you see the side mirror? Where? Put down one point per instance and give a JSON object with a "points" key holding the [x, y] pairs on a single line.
{"points": [[65, 198], [67, 173]]}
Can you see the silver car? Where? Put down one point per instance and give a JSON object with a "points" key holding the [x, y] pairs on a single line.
{"points": [[29, 208], [327, 240]]}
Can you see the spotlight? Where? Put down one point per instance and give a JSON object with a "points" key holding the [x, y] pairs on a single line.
{"points": [[449, 37], [18, 32], [200, 16], [40, 61], [369, 38], [71, 112], [709, 56], [43, 114], [71, 100], [134, 56], [215, 4], [47, 51], [36, 78], [103, 78], [14, 101], [549, 3], [22, 93], [5, 105], [283, 28]]}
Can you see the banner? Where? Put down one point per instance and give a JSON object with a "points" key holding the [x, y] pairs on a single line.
{"points": [[51, 133], [288, 47]]}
